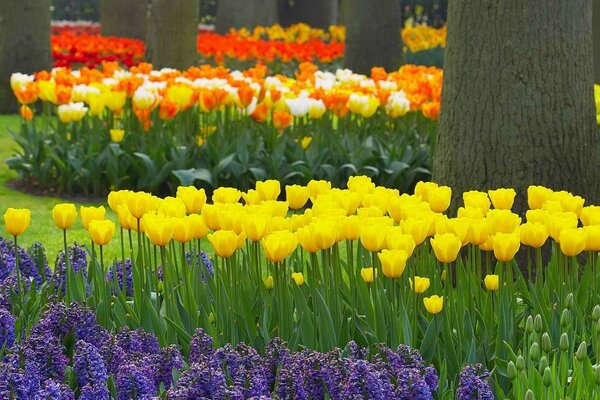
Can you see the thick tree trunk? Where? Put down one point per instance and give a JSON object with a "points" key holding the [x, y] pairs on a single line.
{"points": [[316, 13], [518, 104], [172, 31], [124, 18], [245, 14], [24, 43], [596, 33], [372, 35]]}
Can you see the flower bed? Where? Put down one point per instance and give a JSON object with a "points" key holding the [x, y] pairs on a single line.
{"points": [[153, 130], [363, 264]]}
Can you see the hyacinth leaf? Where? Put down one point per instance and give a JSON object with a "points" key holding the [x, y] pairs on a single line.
{"points": [[428, 345]]}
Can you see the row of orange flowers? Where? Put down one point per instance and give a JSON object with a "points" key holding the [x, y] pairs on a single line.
{"points": [[386, 223], [298, 43], [252, 92]]}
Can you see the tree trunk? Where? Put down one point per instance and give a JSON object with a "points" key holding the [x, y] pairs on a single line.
{"points": [[518, 103], [596, 40], [124, 18], [172, 32], [372, 35], [245, 14], [316, 13], [24, 43]]}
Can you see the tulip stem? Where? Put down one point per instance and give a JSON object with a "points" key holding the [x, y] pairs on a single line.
{"points": [[101, 259], [18, 272], [67, 280]]}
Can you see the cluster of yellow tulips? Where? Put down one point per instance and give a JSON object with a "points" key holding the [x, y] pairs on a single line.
{"points": [[389, 225]]}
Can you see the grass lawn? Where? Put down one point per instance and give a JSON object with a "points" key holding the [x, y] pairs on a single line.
{"points": [[42, 227]]}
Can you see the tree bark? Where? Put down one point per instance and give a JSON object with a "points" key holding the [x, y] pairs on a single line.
{"points": [[172, 32], [372, 35], [124, 18], [518, 103], [245, 14], [316, 13], [24, 43], [596, 40]]}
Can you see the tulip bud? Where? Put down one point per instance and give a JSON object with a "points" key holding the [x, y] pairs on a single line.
{"points": [[546, 343], [511, 371], [538, 324], [569, 301], [211, 318], [529, 395], [543, 364], [520, 363], [269, 282], [534, 351], [529, 324], [547, 378], [581, 352], [564, 342], [565, 318], [596, 312]]}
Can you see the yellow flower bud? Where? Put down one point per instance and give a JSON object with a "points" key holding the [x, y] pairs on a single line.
{"points": [[224, 243], [298, 278], [89, 214], [296, 196], [506, 246], [367, 274], [269, 283], [446, 247], [193, 198], [279, 245], [64, 215], [572, 241], [434, 304], [17, 220], [420, 285], [393, 262], [502, 199], [491, 282], [268, 190], [101, 231]]}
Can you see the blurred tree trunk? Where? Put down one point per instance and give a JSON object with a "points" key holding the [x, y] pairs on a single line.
{"points": [[124, 18], [372, 35], [24, 43], [172, 33], [245, 14], [596, 33], [518, 103], [316, 13]]}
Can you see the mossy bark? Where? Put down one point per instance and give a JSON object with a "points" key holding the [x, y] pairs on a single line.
{"points": [[171, 33], [124, 18], [24, 43], [372, 35], [596, 40], [245, 14]]}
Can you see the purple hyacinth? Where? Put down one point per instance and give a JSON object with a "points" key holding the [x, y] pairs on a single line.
{"points": [[88, 365], [91, 392], [201, 347], [135, 382], [77, 261], [27, 266], [137, 343], [124, 276], [243, 365], [473, 384], [16, 382], [364, 382], [164, 363], [202, 258], [7, 329], [46, 354], [203, 380], [53, 390]]}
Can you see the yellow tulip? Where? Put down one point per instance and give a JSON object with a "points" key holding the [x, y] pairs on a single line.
{"points": [[479, 231], [502, 199], [397, 240], [89, 214], [298, 278], [199, 228], [506, 246], [210, 215], [476, 199], [422, 189], [316, 188], [351, 227], [360, 184], [172, 207], [373, 237], [224, 243], [534, 234], [115, 101], [296, 196], [268, 190], [126, 220], [275, 208], [348, 201], [488, 245], [590, 215], [193, 198], [417, 228], [116, 135], [17, 220], [251, 197], [64, 215], [491, 282], [557, 222], [256, 226], [393, 262], [370, 212], [101, 231], [306, 239], [269, 282], [536, 196], [182, 229], [158, 229], [367, 274], [139, 203], [446, 247], [279, 245], [420, 285], [572, 241], [570, 203], [325, 233], [470, 212], [503, 221], [537, 215], [593, 237], [226, 195], [439, 198], [460, 227], [116, 198], [434, 304]]}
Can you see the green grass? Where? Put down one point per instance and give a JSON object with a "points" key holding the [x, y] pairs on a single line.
{"points": [[42, 227]]}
